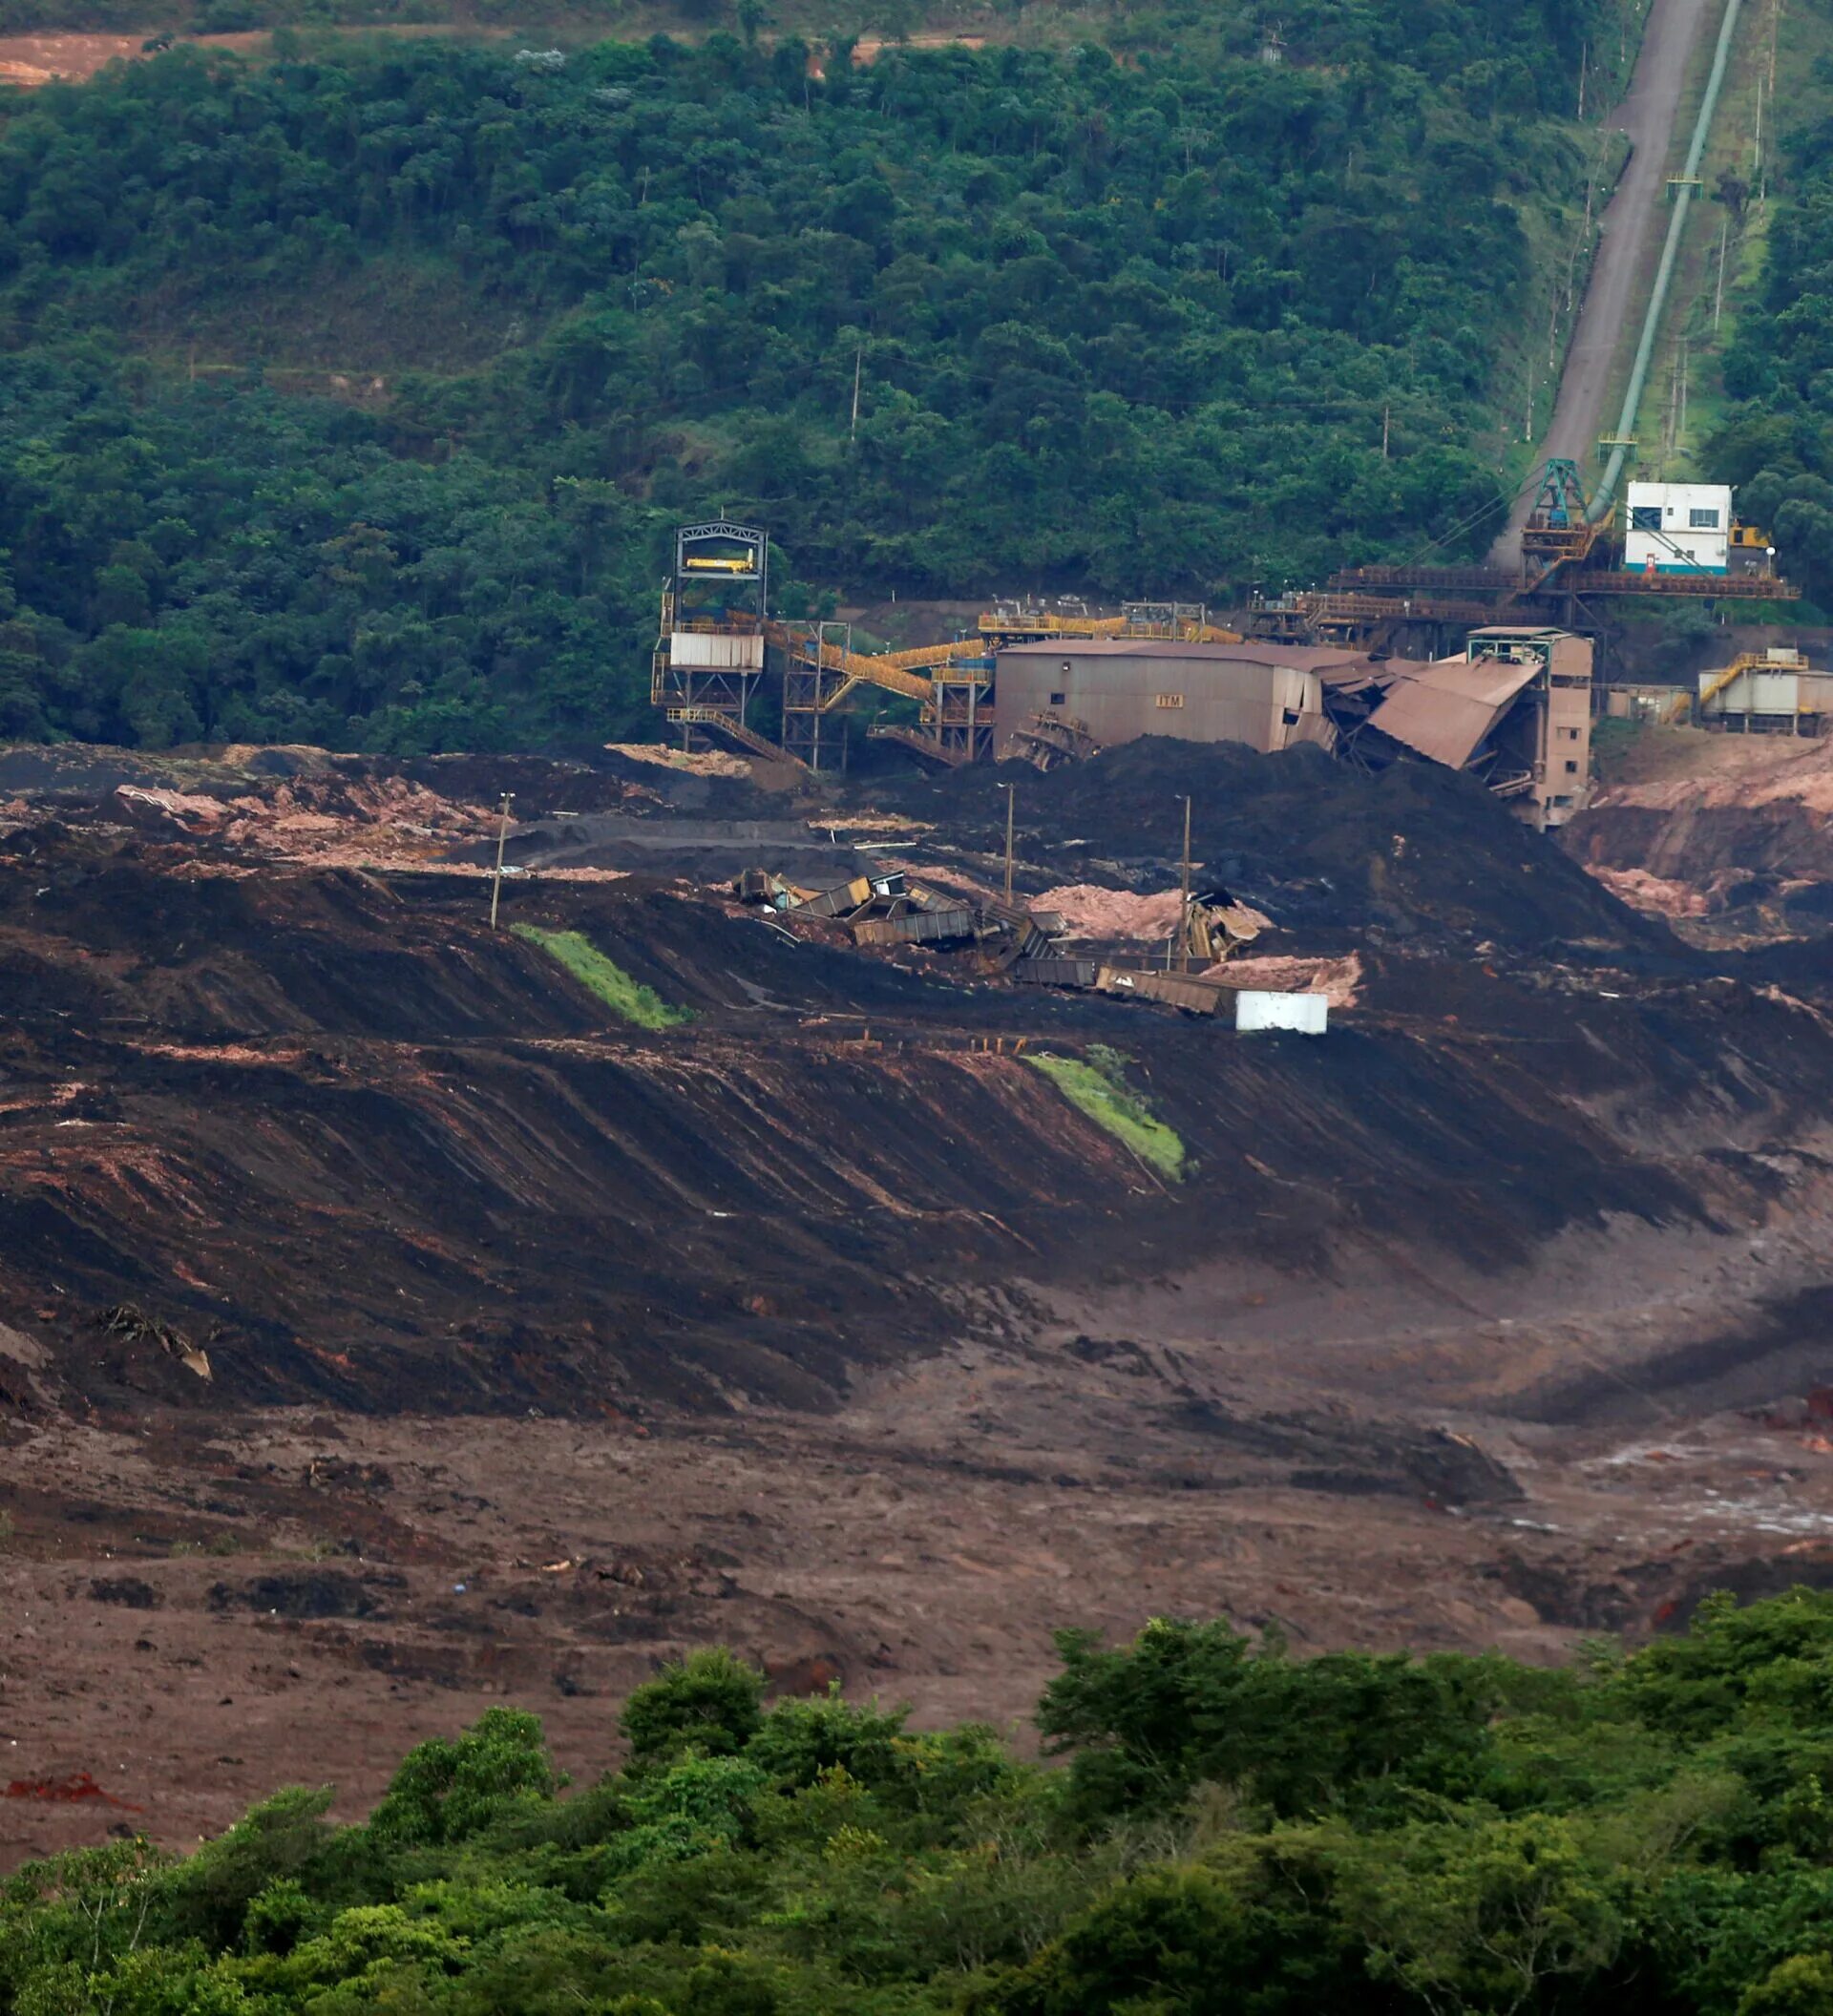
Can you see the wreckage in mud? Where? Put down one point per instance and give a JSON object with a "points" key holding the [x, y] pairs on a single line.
{"points": [[1028, 945]]}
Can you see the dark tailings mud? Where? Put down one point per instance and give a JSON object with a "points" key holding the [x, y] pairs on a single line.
{"points": [[387, 1325]]}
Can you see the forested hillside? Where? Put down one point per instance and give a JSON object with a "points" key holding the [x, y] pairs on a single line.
{"points": [[1235, 1833], [1778, 440], [347, 398]]}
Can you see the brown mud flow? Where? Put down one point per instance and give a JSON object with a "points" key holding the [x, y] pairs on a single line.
{"points": [[386, 1323]]}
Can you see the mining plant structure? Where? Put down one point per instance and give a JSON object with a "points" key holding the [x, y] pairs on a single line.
{"points": [[718, 640], [1385, 664]]}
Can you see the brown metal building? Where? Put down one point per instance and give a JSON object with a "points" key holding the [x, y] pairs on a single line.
{"points": [[1268, 696]]}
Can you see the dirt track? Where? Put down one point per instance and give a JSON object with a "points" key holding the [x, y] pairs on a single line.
{"points": [[1623, 269], [332, 1220]]}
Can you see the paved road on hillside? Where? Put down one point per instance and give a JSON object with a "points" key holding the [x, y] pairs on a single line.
{"points": [[1628, 250]]}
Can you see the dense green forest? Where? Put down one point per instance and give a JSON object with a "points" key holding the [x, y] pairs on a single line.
{"points": [[1235, 1833], [347, 398], [1777, 442]]}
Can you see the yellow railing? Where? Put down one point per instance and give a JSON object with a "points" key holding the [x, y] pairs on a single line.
{"points": [[1744, 662]]}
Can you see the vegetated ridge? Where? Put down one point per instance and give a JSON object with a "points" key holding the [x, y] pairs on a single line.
{"points": [[1776, 440], [349, 399]]}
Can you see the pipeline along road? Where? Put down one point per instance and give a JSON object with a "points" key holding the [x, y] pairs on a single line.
{"points": [[1627, 249]]}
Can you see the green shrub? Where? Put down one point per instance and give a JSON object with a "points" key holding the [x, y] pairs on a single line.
{"points": [[626, 997], [1096, 1086]]}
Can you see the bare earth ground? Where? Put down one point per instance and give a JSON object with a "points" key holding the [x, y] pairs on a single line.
{"points": [[74, 57], [382, 1335], [198, 1610], [1730, 837]]}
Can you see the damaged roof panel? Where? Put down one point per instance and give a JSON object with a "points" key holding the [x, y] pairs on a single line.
{"points": [[1445, 710]]}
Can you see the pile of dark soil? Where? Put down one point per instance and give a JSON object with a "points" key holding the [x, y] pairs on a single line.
{"points": [[84, 776], [604, 782], [656, 841], [1415, 851]]}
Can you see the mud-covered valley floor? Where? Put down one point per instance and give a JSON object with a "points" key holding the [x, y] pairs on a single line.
{"points": [[387, 1328]]}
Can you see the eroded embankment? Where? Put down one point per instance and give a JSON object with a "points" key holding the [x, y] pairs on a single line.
{"points": [[1704, 825], [332, 1131]]}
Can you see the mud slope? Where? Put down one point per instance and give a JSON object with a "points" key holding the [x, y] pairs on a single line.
{"points": [[387, 1326], [1418, 855], [329, 1128]]}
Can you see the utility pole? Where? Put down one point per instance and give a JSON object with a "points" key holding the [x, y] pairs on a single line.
{"points": [[858, 367], [1756, 145], [1684, 387], [1387, 421], [1724, 247], [1011, 800], [1183, 909], [502, 840], [1583, 59]]}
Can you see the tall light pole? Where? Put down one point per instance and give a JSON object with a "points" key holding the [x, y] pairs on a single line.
{"points": [[1184, 908], [502, 840], [1011, 800]]}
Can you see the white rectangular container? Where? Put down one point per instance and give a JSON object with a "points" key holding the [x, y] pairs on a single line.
{"points": [[699, 652], [1309, 1014]]}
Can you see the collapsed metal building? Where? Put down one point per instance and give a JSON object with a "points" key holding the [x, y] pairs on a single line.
{"points": [[1045, 686], [1513, 706]]}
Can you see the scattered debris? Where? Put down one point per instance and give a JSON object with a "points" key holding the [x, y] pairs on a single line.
{"points": [[1336, 979], [1047, 739], [694, 763], [890, 910], [133, 1326], [79, 1785]]}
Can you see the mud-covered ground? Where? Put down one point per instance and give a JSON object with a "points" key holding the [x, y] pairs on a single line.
{"points": [[1728, 836], [384, 1329]]}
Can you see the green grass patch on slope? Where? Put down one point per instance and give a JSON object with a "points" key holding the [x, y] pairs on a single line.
{"points": [[606, 978], [1096, 1085]]}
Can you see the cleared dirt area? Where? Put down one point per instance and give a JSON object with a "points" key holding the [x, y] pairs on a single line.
{"points": [[1728, 835], [388, 1328], [72, 56], [58, 56]]}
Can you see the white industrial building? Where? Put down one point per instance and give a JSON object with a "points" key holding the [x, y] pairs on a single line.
{"points": [[1679, 528]]}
